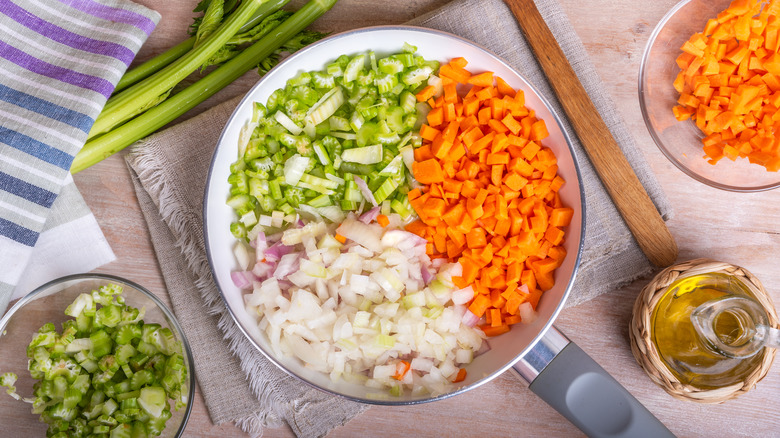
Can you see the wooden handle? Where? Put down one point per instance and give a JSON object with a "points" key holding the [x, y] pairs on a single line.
{"points": [[618, 177]]}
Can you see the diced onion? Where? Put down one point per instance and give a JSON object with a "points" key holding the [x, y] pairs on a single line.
{"points": [[243, 257], [356, 310], [242, 279], [364, 190], [276, 251], [469, 319], [527, 313], [370, 215], [287, 265], [463, 296]]}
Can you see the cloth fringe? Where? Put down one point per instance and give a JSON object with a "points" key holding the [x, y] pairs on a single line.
{"points": [[172, 213]]}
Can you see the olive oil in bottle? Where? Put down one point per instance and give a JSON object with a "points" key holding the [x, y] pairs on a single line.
{"points": [[685, 353]]}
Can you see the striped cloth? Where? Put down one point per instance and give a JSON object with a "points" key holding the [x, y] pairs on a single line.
{"points": [[59, 63]]}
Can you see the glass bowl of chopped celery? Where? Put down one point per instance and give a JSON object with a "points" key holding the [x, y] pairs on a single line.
{"points": [[693, 116], [93, 354]]}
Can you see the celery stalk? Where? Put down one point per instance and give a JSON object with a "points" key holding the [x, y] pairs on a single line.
{"points": [[128, 103], [155, 118], [154, 65], [142, 71]]}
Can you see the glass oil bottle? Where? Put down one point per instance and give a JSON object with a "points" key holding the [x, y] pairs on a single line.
{"points": [[710, 331]]}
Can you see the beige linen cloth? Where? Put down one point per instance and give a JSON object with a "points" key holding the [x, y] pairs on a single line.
{"points": [[238, 383]]}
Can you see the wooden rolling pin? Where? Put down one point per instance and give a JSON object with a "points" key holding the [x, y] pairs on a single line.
{"points": [[618, 177]]}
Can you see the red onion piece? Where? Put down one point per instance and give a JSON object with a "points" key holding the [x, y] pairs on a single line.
{"points": [[484, 348], [242, 279], [469, 319], [365, 190], [427, 275], [277, 251], [260, 244], [287, 265], [273, 238], [370, 215], [417, 240], [263, 270]]}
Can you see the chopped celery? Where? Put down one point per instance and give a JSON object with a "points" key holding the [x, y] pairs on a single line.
{"points": [[326, 106], [354, 67], [365, 155], [355, 117], [95, 377]]}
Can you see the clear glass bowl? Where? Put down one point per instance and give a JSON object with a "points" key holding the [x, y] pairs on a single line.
{"points": [[47, 304], [681, 141]]}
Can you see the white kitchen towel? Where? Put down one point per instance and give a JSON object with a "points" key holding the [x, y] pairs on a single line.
{"points": [[71, 243], [59, 63]]}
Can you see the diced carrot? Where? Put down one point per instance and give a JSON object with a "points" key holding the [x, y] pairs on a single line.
{"points": [[561, 217], [457, 74], [497, 126], [538, 131], [512, 304], [495, 317], [512, 319], [341, 238], [428, 171], [474, 208], [417, 227], [479, 305], [495, 331], [426, 93], [504, 88], [454, 215], [461, 376], [401, 369], [491, 203], [484, 115], [475, 238], [383, 220], [482, 80], [423, 153], [428, 133], [435, 116], [440, 147], [459, 62], [434, 207], [544, 280], [728, 74]]}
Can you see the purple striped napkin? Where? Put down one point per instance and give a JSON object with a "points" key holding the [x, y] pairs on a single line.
{"points": [[59, 63]]}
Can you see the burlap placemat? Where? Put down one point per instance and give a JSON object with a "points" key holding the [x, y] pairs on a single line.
{"points": [[169, 171]]}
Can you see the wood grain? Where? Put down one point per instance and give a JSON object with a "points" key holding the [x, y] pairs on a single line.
{"points": [[735, 227], [618, 177]]}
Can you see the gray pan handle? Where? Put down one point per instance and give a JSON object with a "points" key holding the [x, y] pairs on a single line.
{"points": [[573, 383]]}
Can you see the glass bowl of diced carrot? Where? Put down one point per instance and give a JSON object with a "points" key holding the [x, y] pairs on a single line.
{"points": [[709, 90]]}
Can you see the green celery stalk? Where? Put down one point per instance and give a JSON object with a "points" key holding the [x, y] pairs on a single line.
{"points": [[129, 102], [154, 65], [142, 71], [155, 118]]}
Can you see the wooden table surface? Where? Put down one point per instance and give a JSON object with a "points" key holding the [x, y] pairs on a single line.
{"points": [[738, 228]]}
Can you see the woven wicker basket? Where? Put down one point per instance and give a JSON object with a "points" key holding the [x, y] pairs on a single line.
{"points": [[647, 355]]}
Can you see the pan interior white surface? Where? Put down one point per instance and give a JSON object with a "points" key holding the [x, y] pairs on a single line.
{"points": [[505, 349]]}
